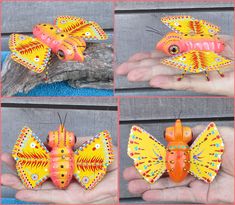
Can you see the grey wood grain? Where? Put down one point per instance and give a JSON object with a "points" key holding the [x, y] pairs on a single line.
{"points": [[140, 40], [172, 108], [67, 101], [156, 129], [120, 6], [41, 121], [22, 16]]}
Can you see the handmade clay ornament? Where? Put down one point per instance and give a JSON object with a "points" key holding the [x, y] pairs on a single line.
{"points": [[35, 164], [194, 45], [66, 39], [202, 159]]}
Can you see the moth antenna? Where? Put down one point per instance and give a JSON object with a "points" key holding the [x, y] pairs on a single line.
{"points": [[65, 118], [59, 118], [154, 30], [179, 114]]}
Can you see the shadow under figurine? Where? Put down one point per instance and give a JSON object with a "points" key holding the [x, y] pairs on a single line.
{"points": [[202, 159], [194, 45], [88, 164]]}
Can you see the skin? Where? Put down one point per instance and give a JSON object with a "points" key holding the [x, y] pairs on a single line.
{"points": [[191, 190], [104, 193], [147, 67]]}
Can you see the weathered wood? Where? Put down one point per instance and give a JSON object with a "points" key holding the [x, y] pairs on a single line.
{"points": [[156, 129], [133, 6], [141, 40], [172, 108], [41, 121], [22, 16], [68, 101], [96, 71]]}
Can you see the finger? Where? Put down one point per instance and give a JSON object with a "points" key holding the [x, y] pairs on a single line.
{"points": [[42, 196], [12, 181], [184, 194], [147, 73], [197, 83], [131, 173], [140, 56], [139, 186], [7, 158]]}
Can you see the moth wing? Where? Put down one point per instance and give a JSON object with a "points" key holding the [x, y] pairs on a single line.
{"points": [[29, 52], [205, 154], [195, 61], [149, 154], [88, 30], [32, 159], [92, 160], [189, 25]]}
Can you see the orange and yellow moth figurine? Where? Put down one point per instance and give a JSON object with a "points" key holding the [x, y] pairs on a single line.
{"points": [[193, 44], [202, 159], [88, 164], [66, 38]]}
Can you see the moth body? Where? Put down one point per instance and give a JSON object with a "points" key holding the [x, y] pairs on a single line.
{"points": [[175, 43], [65, 46], [61, 157]]}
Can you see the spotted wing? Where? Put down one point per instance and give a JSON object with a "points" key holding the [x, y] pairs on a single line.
{"points": [[206, 153], [195, 61], [189, 25], [149, 155], [92, 160], [88, 30], [32, 159], [29, 52]]}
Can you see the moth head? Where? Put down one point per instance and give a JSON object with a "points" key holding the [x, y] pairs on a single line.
{"points": [[61, 138], [178, 133], [171, 44], [43, 30]]}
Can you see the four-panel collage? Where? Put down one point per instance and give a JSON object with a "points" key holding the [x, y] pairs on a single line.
{"points": [[117, 102]]}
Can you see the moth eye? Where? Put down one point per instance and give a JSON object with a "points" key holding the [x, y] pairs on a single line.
{"points": [[97, 146], [32, 145], [60, 54], [87, 33], [173, 49]]}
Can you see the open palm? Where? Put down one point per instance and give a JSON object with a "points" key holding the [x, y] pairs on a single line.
{"points": [[147, 67], [104, 192], [221, 190]]}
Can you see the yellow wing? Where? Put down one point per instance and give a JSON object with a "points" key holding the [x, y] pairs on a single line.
{"points": [[148, 154], [79, 27], [29, 52], [206, 153], [190, 25], [195, 61], [92, 160], [32, 159]]}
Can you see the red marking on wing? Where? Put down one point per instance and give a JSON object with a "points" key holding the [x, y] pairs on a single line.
{"points": [[93, 164], [29, 48], [33, 159]]}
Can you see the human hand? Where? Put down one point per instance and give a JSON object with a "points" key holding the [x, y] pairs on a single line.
{"points": [[147, 67], [104, 193], [192, 190]]}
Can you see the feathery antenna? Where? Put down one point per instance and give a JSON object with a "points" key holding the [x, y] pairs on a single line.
{"points": [[154, 30]]}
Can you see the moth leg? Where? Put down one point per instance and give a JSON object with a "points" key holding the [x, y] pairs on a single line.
{"points": [[207, 76], [182, 75], [220, 73]]}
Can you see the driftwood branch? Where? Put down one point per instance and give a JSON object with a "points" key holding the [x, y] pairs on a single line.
{"points": [[96, 72]]}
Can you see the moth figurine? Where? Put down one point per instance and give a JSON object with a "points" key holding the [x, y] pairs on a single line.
{"points": [[194, 46], [66, 38], [35, 163], [202, 159]]}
